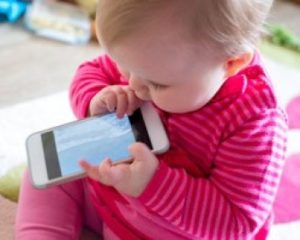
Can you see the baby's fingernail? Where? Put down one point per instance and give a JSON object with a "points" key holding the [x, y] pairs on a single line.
{"points": [[120, 115], [81, 162]]}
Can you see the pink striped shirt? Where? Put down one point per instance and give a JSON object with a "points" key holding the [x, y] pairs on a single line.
{"points": [[219, 179]]}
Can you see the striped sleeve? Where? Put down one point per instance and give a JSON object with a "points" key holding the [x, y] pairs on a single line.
{"points": [[89, 79], [236, 199]]}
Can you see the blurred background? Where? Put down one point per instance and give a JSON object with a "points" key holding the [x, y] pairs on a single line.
{"points": [[41, 48], [42, 42], [32, 66]]}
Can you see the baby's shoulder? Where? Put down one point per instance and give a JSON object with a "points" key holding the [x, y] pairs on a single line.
{"points": [[248, 91], [259, 92], [253, 98]]}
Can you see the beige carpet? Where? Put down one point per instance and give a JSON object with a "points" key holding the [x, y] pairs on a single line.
{"points": [[7, 218]]}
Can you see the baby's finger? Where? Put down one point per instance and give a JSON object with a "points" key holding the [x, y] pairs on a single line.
{"points": [[91, 171], [111, 101], [113, 175], [105, 172], [133, 102], [122, 104], [97, 106]]}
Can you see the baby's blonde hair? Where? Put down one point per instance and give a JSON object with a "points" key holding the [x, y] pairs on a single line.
{"points": [[232, 26]]}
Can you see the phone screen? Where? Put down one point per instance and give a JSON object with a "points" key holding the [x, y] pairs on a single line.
{"points": [[92, 140]]}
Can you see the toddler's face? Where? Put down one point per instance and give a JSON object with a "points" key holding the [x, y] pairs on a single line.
{"points": [[161, 67]]}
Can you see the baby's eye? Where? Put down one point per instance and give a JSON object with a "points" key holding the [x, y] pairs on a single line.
{"points": [[156, 86]]}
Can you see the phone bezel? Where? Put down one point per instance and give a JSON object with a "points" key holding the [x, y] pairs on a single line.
{"points": [[37, 161]]}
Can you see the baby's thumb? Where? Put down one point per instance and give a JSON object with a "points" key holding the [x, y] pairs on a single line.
{"points": [[140, 152]]}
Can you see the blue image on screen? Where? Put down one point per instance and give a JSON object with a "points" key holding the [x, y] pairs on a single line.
{"points": [[93, 140]]}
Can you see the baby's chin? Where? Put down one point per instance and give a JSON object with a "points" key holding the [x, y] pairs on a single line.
{"points": [[179, 109]]}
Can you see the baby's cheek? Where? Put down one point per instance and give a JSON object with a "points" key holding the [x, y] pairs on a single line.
{"points": [[161, 101], [170, 103]]}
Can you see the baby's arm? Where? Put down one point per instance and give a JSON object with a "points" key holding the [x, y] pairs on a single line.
{"points": [[90, 78], [235, 201], [98, 87]]}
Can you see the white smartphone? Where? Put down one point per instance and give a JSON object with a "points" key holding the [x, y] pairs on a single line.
{"points": [[53, 154]]}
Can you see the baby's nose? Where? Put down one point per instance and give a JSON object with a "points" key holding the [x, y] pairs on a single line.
{"points": [[136, 84], [140, 88]]}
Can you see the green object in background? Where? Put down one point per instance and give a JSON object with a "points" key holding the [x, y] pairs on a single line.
{"points": [[11, 181], [280, 35], [282, 46], [280, 54]]}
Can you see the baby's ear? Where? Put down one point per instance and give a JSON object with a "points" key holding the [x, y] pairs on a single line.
{"points": [[234, 64]]}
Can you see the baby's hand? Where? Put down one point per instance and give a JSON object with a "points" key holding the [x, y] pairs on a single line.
{"points": [[130, 179], [118, 98]]}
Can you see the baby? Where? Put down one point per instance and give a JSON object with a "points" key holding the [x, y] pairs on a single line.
{"points": [[196, 61]]}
